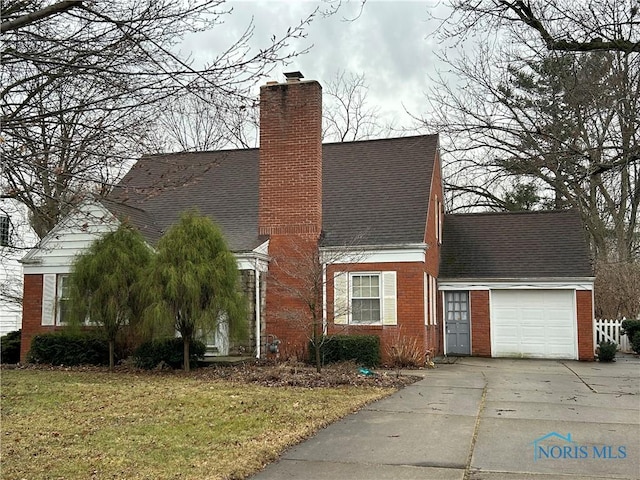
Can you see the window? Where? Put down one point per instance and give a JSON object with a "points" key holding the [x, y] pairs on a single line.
{"points": [[63, 299], [430, 299], [4, 231], [433, 297], [439, 215], [365, 298]]}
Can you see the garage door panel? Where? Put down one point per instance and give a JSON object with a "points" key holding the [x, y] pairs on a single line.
{"points": [[533, 323]]}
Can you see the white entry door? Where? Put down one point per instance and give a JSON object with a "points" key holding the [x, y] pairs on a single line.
{"points": [[533, 324]]}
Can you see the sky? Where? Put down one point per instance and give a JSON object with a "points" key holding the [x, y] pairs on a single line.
{"points": [[389, 43]]}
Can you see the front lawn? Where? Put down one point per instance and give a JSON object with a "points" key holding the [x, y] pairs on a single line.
{"points": [[95, 425]]}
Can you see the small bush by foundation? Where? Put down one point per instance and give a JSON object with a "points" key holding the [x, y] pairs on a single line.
{"points": [[607, 351]]}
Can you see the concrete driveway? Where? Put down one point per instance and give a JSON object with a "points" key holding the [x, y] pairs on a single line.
{"points": [[489, 419]]}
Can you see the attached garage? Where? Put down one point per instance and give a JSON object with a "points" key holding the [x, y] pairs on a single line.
{"points": [[533, 324], [529, 279]]}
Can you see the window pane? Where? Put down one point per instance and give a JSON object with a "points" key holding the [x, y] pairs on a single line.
{"points": [[366, 311], [4, 231]]}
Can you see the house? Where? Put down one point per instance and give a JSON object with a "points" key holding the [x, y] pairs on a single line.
{"points": [[15, 237], [371, 215]]}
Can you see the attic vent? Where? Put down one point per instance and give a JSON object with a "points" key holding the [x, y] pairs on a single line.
{"points": [[293, 76]]}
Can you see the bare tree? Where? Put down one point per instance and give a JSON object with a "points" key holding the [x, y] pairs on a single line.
{"points": [[347, 115], [561, 25], [302, 277], [188, 123], [617, 290], [83, 82], [563, 123]]}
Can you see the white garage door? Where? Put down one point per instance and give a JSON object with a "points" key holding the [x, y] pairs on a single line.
{"points": [[533, 324]]}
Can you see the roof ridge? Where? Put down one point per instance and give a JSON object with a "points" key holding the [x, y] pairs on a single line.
{"points": [[513, 212], [391, 139]]}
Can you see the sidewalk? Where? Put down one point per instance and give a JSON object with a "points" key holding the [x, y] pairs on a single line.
{"points": [[478, 419]]}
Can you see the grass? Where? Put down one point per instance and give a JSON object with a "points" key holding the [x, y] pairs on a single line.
{"points": [[95, 425]]}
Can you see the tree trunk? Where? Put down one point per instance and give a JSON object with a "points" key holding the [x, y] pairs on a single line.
{"points": [[316, 346], [186, 354], [111, 353]]}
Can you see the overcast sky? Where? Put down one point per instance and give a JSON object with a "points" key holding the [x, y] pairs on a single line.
{"points": [[389, 42]]}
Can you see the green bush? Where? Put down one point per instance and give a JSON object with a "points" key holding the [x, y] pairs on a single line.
{"points": [[635, 343], [63, 348], [10, 347], [607, 351], [363, 349], [630, 328], [170, 351]]}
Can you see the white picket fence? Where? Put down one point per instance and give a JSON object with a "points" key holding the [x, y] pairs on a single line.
{"points": [[611, 330]]}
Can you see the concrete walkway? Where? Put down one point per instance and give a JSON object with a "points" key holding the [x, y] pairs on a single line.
{"points": [[486, 419]]}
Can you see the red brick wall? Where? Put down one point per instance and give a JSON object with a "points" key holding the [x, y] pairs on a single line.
{"points": [[293, 273], [480, 323], [290, 158], [584, 307], [432, 261], [410, 305], [32, 314]]}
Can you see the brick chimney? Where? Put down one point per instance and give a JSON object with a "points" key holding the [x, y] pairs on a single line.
{"points": [[290, 157], [290, 208]]}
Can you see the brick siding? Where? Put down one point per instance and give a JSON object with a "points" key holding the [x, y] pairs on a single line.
{"points": [[584, 307], [480, 323]]}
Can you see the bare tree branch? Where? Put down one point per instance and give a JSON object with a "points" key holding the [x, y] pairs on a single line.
{"points": [[24, 20]]}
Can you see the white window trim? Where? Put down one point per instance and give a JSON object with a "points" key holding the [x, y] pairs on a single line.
{"points": [[343, 296], [380, 296], [59, 280]]}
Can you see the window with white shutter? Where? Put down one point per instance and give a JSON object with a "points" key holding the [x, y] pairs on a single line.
{"points": [[365, 298], [48, 299]]}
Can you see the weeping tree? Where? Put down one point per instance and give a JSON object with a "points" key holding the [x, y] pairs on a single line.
{"points": [[105, 283], [193, 284]]}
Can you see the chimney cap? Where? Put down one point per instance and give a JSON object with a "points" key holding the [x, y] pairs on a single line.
{"points": [[293, 76]]}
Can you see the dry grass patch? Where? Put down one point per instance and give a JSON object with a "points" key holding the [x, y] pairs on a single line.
{"points": [[93, 424]]}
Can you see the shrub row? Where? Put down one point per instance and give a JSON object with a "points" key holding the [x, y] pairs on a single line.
{"points": [[363, 349], [10, 347], [169, 351], [63, 348]]}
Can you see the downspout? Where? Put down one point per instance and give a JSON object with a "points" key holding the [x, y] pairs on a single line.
{"points": [[257, 308], [324, 298]]}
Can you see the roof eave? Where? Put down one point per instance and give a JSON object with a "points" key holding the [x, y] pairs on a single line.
{"points": [[515, 279], [389, 246]]}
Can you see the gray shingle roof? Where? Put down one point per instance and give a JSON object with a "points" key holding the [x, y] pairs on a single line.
{"points": [[514, 245], [374, 191], [222, 185], [377, 192]]}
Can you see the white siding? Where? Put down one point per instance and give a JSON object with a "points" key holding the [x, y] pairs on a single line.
{"points": [[21, 237], [70, 238]]}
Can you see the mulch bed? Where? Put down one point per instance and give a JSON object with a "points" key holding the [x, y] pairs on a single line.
{"points": [[283, 374]]}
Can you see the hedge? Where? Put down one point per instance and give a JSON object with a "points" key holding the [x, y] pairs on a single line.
{"points": [[62, 348], [169, 351], [363, 349], [10, 347]]}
